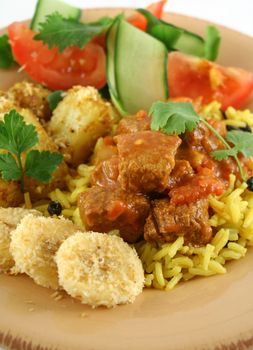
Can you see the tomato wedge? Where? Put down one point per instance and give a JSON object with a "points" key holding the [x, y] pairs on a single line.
{"points": [[193, 77], [139, 21], [74, 66]]}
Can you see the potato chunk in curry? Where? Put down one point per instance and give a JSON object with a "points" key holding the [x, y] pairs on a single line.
{"points": [[32, 96], [78, 121], [10, 194]]}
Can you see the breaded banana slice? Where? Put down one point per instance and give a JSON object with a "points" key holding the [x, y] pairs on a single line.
{"points": [[34, 244], [9, 219], [78, 121], [99, 269], [33, 96]]}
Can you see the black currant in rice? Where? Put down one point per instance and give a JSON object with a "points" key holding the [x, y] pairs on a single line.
{"points": [[54, 208], [246, 128], [232, 127], [250, 183]]}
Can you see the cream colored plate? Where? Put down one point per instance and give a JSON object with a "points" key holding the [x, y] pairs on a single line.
{"points": [[205, 313]]}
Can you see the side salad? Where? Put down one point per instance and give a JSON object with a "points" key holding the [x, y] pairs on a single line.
{"points": [[140, 54]]}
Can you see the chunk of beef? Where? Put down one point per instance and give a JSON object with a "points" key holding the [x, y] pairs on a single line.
{"points": [[146, 160], [106, 173], [103, 210], [180, 173], [166, 222], [134, 123]]}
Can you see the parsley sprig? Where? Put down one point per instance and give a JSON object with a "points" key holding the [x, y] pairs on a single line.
{"points": [[55, 98], [178, 117], [61, 32], [16, 139]]}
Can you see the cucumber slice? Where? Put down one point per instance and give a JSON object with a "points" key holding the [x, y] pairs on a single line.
{"points": [[117, 104], [46, 7], [110, 47], [140, 68], [191, 44], [166, 34], [110, 67], [173, 37]]}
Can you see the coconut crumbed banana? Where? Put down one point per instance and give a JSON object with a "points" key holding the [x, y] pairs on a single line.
{"points": [[34, 244], [78, 121], [9, 219], [99, 269]]}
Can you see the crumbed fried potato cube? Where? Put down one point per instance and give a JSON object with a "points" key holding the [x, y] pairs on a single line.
{"points": [[34, 244], [36, 189], [9, 219], [78, 121], [99, 269], [5, 104], [10, 194], [33, 96]]}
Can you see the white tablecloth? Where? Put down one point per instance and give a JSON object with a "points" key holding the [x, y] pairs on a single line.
{"points": [[236, 14]]}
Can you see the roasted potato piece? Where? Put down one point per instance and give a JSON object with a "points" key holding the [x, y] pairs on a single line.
{"points": [[78, 121], [5, 104], [9, 219], [36, 189], [10, 194], [32, 96]]}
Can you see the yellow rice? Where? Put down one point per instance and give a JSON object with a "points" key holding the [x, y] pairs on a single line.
{"points": [[68, 199], [166, 265]]}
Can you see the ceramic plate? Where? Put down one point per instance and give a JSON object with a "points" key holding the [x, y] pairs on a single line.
{"points": [[205, 313]]}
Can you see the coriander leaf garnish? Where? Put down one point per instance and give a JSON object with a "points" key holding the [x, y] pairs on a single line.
{"points": [[173, 117], [61, 32], [178, 117], [212, 43], [9, 167], [243, 141], [224, 154], [41, 165], [17, 137], [6, 57], [54, 98]]}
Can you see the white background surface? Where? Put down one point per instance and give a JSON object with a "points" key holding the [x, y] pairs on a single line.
{"points": [[237, 14]]}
